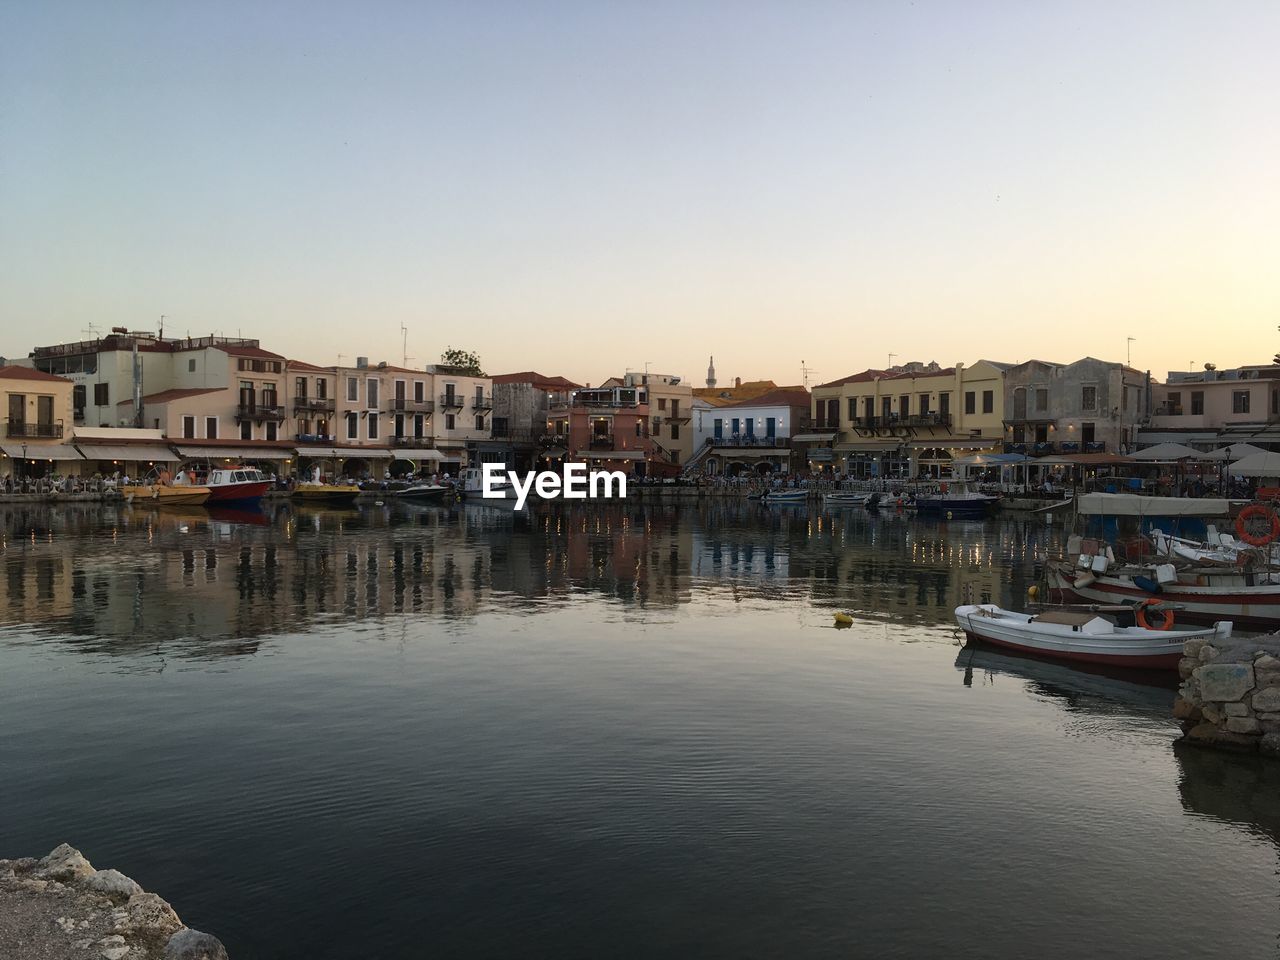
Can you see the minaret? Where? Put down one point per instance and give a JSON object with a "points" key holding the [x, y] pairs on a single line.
{"points": [[711, 373]]}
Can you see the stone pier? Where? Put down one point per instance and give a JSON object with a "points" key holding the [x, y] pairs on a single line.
{"points": [[1230, 694], [61, 908]]}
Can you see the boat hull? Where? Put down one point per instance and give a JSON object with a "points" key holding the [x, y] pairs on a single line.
{"points": [[322, 493], [1252, 605], [250, 492], [158, 494], [969, 506]]}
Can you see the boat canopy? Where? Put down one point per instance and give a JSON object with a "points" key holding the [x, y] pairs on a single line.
{"points": [[1136, 505]]}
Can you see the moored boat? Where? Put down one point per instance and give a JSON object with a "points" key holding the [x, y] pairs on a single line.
{"points": [[785, 496], [421, 491], [955, 498], [238, 484], [326, 492], [160, 493], [847, 498], [1081, 635]]}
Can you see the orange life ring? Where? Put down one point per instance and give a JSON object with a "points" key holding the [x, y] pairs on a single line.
{"points": [[1245, 529], [1140, 616]]}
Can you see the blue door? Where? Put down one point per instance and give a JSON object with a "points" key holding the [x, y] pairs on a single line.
{"points": [[719, 429], [751, 426], [771, 427]]}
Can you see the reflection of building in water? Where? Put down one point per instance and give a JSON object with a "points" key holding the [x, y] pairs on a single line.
{"points": [[134, 577]]}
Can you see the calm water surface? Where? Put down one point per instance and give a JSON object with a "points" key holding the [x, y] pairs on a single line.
{"points": [[618, 731]]}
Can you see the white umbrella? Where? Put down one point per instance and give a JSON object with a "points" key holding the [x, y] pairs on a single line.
{"points": [[1235, 451], [1265, 464], [1169, 451]]}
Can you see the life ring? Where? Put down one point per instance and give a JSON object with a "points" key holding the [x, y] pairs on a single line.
{"points": [[1245, 529], [1140, 616]]}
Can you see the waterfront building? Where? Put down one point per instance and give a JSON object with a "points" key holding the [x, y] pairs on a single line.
{"points": [[670, 418], [1209, 408], [523, 432], [608, 428], [1089, 406], [751, 435], [732, 393], [462, 421], [908, 420], [38, 419]]}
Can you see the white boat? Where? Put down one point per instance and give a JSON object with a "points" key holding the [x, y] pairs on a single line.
{"points": [[502, 494], [1081, 635], [1220, 548], [422, 491], [955, 497], [785, 496], [847, 498]]}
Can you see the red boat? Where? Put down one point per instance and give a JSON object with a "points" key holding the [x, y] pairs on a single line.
{"points": [[238, 484]]}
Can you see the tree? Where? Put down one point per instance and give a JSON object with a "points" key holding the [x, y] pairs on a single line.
{"points": [[465, 362]]}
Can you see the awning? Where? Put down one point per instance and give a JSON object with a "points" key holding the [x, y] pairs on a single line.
{"points": [[120, 451], [40, 451], [617, 455], [424, 453], [346, 453], [554, 452], [235, 453], [734, 453], [814, 437], [869, 446]]}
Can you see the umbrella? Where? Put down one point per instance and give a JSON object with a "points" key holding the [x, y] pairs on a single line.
{"points": [[1235, 451], [1169, 451], [1266, 464]]}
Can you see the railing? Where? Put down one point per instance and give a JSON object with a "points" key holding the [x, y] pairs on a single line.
{"points": [[252, 411], [745, 441], [407, 405], [313, 404], [1095, 446], [482, 403], [452, 401], [894, 420], [553, 440], [1168, 410], [419, 442], [519, 434], [1044, 448], [314, 438], [601, 441], [20, 429], [558, 403]]}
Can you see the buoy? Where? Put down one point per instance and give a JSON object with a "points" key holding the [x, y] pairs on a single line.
{"points": [[843, 619], [1033, 591], [948, 514]]}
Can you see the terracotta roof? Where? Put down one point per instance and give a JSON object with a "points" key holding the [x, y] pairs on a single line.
{"points": [[539, 380], [238, 351], [854, 378], [303, 365], [29, 373], [721, 396], [164, 396], [921, 374], [782, 397]]}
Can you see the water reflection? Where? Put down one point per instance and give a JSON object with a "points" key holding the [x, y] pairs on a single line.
{"points": [[122, 579]]}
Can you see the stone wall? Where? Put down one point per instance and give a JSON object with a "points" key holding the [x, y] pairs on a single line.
{"points": [[61, 907], [1230, 694]]}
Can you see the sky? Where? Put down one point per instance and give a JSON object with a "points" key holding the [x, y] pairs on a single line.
{"points": [[587, 188]]}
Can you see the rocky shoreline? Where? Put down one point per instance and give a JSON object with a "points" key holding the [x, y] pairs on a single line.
{"points": [[1230, 695], [60, 908]]}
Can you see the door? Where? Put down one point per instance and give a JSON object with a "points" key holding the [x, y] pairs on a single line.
{"points": [[44, 413], [719, 429], [771, 427], [17, 409]]}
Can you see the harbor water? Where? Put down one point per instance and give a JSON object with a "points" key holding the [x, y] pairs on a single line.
{"points": [[625, 730]]}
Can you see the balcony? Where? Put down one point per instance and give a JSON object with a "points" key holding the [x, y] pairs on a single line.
{"points": [[745, 441], [558, 403], [1070, 446], [313, 405], [1168, 410], [1043, 448], [1095, 446], [893, 420], [21, 430], [416, 443], [601, 441], [451, 401], [519, 434], [406, 405], [258, 412], [482, 403]]}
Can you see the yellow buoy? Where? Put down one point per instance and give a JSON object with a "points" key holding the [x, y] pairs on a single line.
{"points": [[843, 619], [1033, 591]]}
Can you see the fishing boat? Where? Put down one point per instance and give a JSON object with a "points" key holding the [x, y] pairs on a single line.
{"points": [[162, 494], [421, 491], [237, 483], [1081, 635], [785, 496], [848, 498], [955, 498], [336, 493]]}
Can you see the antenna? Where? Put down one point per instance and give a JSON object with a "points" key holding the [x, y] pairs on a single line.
{"points": [[404, 345], [805, 373], [91, 330], [340, 356], [891, 356], [1128, 351], [162, 326]]}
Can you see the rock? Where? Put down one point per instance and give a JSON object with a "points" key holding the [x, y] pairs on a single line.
{"points": [[65, 862], [1208, 652], [1184, 709], [1209, 735], [1242, 725], [1266, 662], [148, 915], [1187, 666], [1225, 681], [1267, 700], [1212, 712], [1269, 726], [1263, 715], [1267, 678], [1270, 745], [1236, 709], [1192, 648], [112, 883], [188, 944], [113, 947]]}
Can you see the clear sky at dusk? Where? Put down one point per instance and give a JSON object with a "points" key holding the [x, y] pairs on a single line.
{"points": [[581, 188]]}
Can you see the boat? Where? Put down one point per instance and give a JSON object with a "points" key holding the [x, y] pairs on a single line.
{"points": [[312, 492], [785, 496], [471, 488], [236, 483], [848, 498], [1081, 635], [421, 491], [163, 494], [955, 498]]}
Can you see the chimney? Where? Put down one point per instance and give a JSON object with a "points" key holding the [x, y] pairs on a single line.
{"points": [[737, 382]]}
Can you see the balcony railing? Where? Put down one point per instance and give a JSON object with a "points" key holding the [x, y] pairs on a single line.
{"points": [[519, 434], [482, 403], [601, 441], [21, 430], [314, 438], [1043, 448], [1095, 446], [745, 441], [894, 420], [253, 411], [413, 442], [409, 405], [313, 405], [558, 403], [451, 401]]}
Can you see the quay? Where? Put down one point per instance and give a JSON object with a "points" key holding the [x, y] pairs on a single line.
{"points": [[61, 908]]}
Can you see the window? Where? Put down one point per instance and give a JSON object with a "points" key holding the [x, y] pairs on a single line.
{"points": [[924, 404], [736, 425], [657, 426], [1087, 432], [970, 401], [272, 430], [853, 409], [419, 391], [79, 395], [1042, 399], [211, 428], [886, 405], [1240, 401], [662, 403], [322, 388], [1174, 400], [675, 431], [904, 405], [1089, 398], [304, 428], [988, 401], [353, 389], [353, 426], [101, 394], [448, 421], [371, 393], [373, 422], [418, 423], [191, 365], [188, 428], [246, 430], [1019, 403], [751, 426], [1197, 403], [1124, 398], [944, 404], [771, 426], [479, 421], [300, 388]]}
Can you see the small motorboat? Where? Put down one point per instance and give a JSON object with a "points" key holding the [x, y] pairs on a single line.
{"points": [[237, 484], [848, 498], [421, 491], [955, 498], [785, 496], [1084, 635], [314, 492]]}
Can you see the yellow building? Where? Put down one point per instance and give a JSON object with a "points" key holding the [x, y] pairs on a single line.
{"points": [[910, 420], [38, 419]]}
